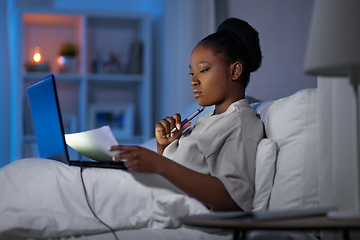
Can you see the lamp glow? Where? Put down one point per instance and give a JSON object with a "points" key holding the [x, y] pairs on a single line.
{"points": [[37, 57]]}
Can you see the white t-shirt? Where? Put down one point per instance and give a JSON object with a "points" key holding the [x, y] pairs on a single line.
{"points": [[223, 146]]}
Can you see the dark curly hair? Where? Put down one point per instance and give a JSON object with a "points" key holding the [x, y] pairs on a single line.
{"points": [[235, 40]]}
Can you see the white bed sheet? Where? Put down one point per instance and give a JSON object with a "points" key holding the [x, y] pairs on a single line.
{"points": [[42, 198]]}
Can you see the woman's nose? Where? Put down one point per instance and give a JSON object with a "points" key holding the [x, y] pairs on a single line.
{"points": [[195, 82]]}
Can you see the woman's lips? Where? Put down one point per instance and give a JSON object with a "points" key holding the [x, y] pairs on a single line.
{"points": [[197, 93]]}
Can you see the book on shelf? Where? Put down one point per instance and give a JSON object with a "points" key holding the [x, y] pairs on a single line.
{"points": [[135, 58]]}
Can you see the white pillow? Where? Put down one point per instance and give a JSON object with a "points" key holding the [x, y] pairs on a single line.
{"points": [[264, 173], [292, 124]]}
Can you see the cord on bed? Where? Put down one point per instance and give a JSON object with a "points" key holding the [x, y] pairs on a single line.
{"points": [[88, 203]]}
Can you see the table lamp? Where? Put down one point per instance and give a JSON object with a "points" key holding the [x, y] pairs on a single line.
{"points": [[334, 50]]}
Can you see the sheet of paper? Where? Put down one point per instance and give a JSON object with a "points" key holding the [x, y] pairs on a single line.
{"points": [[93, 144]]}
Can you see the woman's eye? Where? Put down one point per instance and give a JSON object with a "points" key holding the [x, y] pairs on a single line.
{"points": [[204, 70], [191, 74]]}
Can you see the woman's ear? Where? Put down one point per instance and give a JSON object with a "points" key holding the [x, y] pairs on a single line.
{"points": [[236, 70]]}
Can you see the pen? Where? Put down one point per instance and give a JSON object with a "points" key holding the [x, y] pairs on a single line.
{"points": [[194, 114]]}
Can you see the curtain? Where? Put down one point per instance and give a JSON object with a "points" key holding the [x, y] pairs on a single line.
{"points": [[339, 170], [4, 88], [338, 158], [186, 23]]}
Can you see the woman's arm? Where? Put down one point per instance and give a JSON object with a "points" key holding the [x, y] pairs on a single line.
{"points": [[207, 189]]}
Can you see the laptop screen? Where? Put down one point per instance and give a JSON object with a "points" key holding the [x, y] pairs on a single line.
{"points": [[45, 111]]}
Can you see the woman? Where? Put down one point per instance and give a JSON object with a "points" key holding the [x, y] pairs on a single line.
{"points": [[214, 161]]}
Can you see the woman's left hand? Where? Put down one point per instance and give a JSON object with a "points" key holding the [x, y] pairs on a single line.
{"points": [[138, 159]]}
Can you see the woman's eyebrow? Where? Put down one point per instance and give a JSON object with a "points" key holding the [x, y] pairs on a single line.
{"points": [[199, 63], [202, 62]]}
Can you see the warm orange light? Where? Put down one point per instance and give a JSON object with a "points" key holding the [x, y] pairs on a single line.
{"points": [[37, 57]]}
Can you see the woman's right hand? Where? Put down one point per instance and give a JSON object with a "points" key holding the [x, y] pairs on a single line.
{"points": [[163, 131]]}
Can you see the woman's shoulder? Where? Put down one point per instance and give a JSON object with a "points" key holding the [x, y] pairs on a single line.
{"points": [[240, 110], [245, 122]]}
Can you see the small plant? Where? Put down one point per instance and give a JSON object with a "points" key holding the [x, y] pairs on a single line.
{"points": [[68, 49]]}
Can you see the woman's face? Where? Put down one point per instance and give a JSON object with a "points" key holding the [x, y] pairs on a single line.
{"points": [[211, 79]]}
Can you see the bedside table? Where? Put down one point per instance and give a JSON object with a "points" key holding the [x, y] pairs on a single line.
{"points": [[300, 219]]}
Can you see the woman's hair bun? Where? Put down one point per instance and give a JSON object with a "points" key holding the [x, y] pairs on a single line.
{"points": [[247, 37]]}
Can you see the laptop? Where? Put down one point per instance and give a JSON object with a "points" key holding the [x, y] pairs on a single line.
{"points": [[49, 130]]}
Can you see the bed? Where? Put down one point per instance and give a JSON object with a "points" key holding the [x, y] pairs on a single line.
{"points": [[44, 199]]}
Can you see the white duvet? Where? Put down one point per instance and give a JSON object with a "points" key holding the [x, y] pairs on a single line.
{"points": [[42, 198]]}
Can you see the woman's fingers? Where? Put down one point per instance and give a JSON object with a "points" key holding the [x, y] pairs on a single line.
{"points": [[127, 152], [169, 128], [137, 158], [131, 165], [171, 125], [177, 118], [167, 124], [164, 128], [160, 130]]}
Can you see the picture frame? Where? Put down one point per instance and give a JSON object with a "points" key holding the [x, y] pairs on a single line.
{"points": [[120, 118]]}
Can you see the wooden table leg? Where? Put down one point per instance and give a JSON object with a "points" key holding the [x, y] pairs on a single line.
{"points": [[236, 235], [243, 235], [346, 234]]}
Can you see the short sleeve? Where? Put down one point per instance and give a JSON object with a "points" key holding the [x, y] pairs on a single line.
{"points": [[234, 166]]}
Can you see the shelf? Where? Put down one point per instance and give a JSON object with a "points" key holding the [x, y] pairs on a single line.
{"points": [[50, 19], [58, 76], [124, 36], [115, 77], [48, 32], [89, 77]]}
